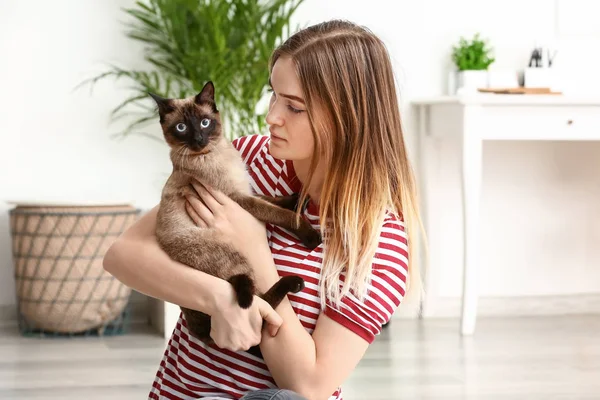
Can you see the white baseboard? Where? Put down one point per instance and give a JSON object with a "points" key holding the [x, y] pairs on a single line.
{"points": [[156, 314], [147, 310], [450, 307]]}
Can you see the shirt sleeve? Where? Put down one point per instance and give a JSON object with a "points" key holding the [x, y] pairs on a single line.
{"points": [[249, 146], [385, 291]]}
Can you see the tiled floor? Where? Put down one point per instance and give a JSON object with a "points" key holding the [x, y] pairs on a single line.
{"points": [[521, 358]]}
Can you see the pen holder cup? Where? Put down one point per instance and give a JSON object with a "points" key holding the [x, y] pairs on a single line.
{"points": [[538, 77]]}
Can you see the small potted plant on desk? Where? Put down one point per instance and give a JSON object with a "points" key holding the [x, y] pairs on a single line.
{"points": [[472, 59]]}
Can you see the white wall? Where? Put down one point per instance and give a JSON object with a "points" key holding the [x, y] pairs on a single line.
{"points": [[56, 143]]}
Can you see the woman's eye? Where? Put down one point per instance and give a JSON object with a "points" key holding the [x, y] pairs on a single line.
{"points": [[205, 123], [295, 110], [180, 127]]}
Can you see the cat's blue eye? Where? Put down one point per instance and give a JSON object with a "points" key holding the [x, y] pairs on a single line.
{"points": [[205, 123], [181, 127]]}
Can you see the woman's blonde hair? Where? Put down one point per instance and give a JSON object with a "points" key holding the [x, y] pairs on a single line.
{"points": [[349, 91]]}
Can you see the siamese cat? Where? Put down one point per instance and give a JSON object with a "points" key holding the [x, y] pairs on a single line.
{"points": [[199, 150]]}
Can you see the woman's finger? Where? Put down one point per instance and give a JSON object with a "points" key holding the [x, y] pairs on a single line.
{"points": [[200, 208], [194, 215], [217, 194], [273, 319], [206, 197]]}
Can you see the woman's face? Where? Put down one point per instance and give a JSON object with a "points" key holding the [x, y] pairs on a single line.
{"points": [[291, 137]]}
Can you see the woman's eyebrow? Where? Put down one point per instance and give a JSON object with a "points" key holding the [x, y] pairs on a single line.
{"points": [[289, 96]]}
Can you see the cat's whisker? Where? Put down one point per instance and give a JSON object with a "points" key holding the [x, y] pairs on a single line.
{"points": [[183, 153], [217, 149], [177, 154], [184, 150], [186, 154]]}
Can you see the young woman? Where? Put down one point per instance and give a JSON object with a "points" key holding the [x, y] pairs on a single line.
{"points": [[336, 138]]}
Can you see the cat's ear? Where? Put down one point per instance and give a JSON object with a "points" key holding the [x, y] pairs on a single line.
{"points": [[207, 95], [165, 106]]}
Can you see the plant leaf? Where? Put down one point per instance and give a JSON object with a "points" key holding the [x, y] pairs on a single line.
{"points": [[189, 42]]}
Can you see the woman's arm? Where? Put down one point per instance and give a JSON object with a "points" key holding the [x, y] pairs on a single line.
{"points": [[137, 260], [313, 366]]}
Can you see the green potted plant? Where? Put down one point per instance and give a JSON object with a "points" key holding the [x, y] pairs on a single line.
{"points": [[188, 43], [472, 59]]}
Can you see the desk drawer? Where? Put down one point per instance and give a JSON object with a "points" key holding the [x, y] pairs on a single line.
{"points": [[540, 122]]}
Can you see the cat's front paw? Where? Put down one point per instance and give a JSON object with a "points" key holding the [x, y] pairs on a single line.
{"points": [[309, 236], [288, 202]]}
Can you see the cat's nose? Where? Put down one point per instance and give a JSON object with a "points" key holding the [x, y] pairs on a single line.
{"points": [[200, 140]]}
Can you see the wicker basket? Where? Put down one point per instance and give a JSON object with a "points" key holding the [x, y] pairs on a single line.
{"points": [[61, 285]]}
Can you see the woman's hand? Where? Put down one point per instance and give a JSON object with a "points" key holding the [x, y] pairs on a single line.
{"points": [[237, 329], [235, 225]]}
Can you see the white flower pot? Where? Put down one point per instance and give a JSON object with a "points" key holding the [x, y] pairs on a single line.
{"points": [[470, 81]]}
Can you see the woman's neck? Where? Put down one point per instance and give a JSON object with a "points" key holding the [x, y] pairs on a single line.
{"points": [[302, 168]]}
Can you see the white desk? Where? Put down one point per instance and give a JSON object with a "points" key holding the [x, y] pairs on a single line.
{"points": [[480, 117]]}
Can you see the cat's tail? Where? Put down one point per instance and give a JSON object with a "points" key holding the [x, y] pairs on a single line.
{"points": [[244, 288], [285, 285], [274, 296]]}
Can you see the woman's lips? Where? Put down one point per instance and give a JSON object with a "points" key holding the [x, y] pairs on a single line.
{"points": [[276, 137]]}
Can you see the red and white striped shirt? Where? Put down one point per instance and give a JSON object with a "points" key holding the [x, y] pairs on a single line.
{"points": [[191, 370]]}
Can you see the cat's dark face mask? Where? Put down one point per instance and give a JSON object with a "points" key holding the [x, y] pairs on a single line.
{"points": [[192, 123]]}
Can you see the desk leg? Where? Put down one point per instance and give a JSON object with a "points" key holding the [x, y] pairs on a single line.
{"points": [[471, 181], [424, 298]]}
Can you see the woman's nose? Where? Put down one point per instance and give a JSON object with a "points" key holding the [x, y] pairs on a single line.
{"points": [[273, 117]]}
